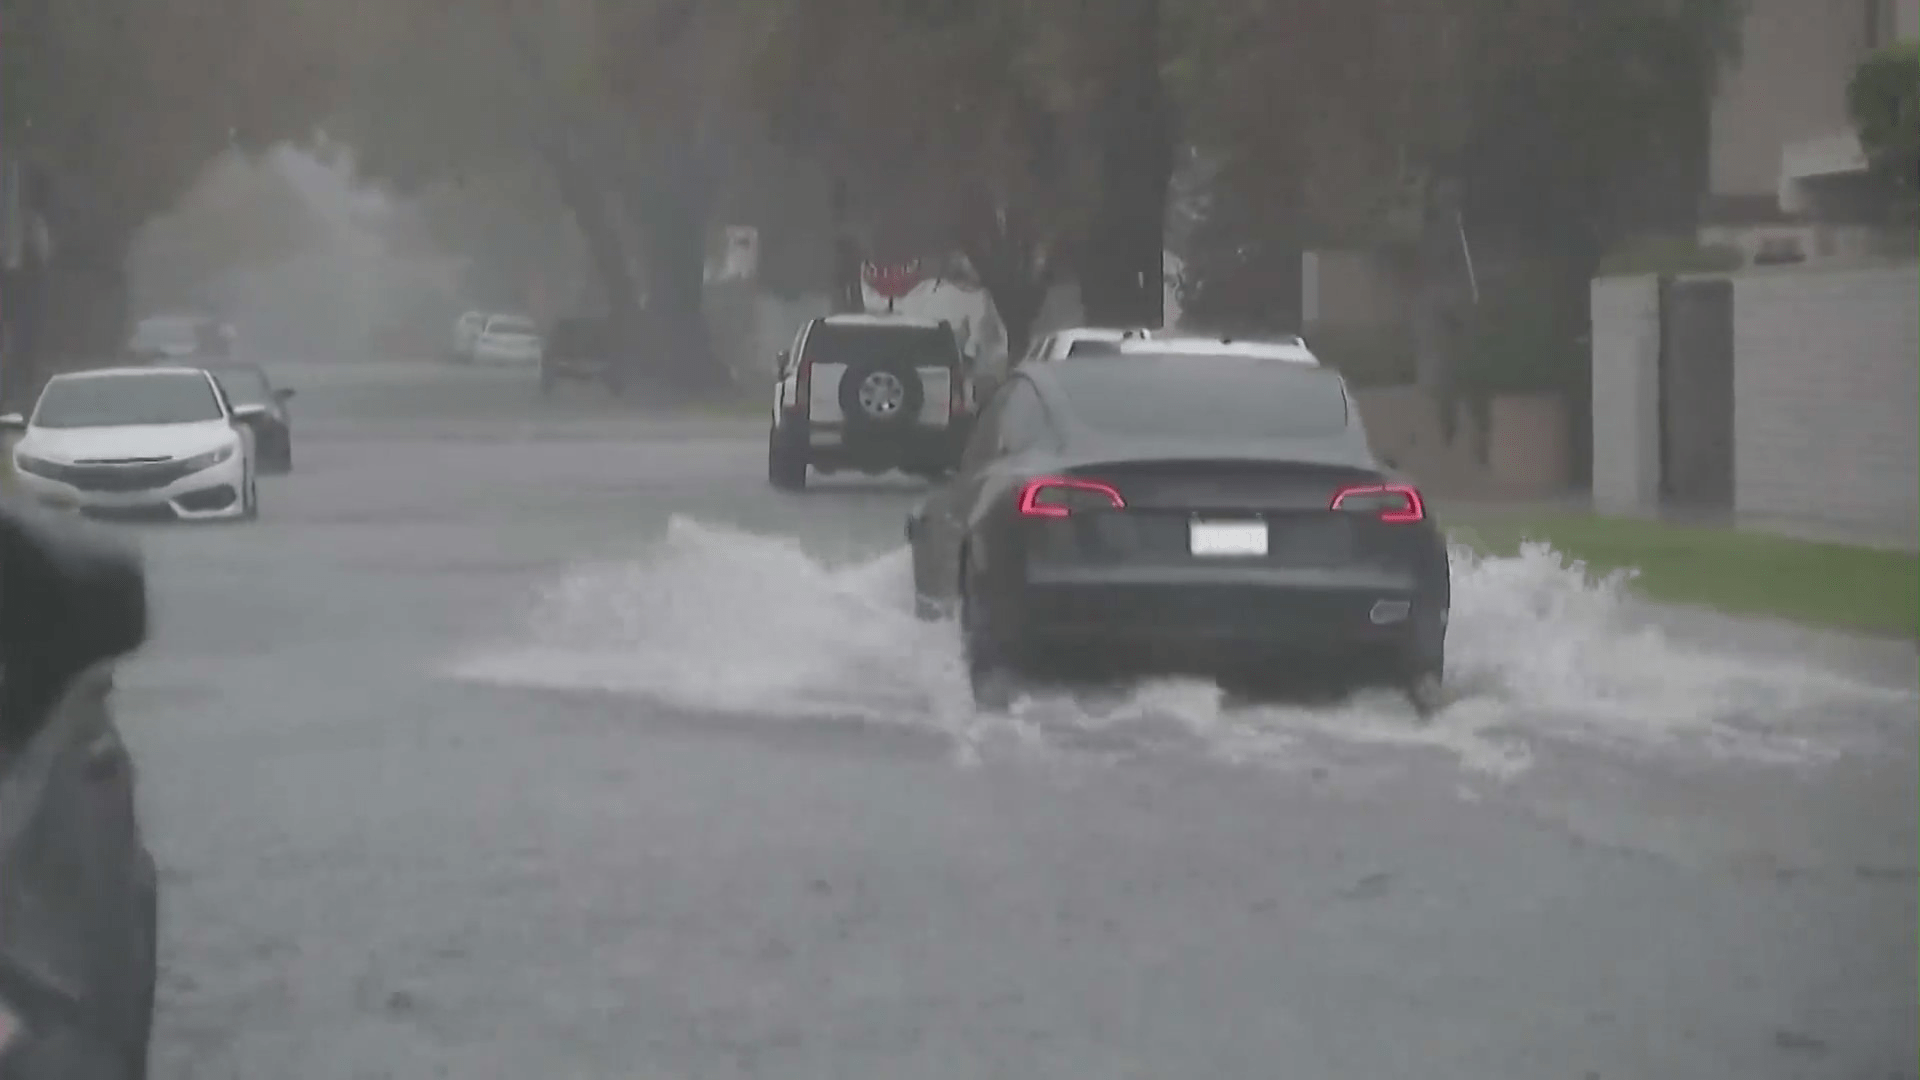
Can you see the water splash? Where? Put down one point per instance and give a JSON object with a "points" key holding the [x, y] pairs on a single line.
{"points": [[715, 620]]}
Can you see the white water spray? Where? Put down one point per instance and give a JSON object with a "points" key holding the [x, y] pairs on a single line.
{"points": [[720, 621]]}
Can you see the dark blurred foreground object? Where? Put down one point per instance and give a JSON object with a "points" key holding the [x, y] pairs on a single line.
{"points": [[78, 898], [584, 348]]}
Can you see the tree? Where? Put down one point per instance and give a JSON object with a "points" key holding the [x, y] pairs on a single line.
{"points": [[1397, 123], [947, 126], [116, 106], [456, 94], [1883, 99], [242, 213]]}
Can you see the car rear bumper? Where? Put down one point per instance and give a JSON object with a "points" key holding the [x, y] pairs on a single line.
{"points": [[910, 446], [210, 494], [1203, 618]]}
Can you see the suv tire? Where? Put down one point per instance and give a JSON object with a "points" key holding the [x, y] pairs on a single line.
{"points": [[786, 461], [881, 395]]}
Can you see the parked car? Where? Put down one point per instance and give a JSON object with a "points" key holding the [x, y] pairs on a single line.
{"points": [[508, 339], [180, 337], [465, 329], [79, 895], [582, 347], [144, 443], [867, 392], [247, 385]]}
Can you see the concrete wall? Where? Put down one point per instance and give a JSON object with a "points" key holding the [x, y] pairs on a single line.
{"points": [[1626, 394], [1827, 396]]}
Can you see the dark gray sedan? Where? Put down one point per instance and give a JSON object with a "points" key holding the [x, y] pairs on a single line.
{"points": [[1146, 513], [78, 899]]}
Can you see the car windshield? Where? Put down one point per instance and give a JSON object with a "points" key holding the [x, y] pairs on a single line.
{"points": [[1172, 397], [831, 343], [164, 331], [121, 400], [244, 385], [511, 326]]}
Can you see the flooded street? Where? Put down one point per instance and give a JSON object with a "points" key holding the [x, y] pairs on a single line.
{"points": [[528, 738]]}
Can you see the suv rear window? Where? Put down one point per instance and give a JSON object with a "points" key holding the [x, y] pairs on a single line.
{"points": [[839, 343], [1170, 398]]}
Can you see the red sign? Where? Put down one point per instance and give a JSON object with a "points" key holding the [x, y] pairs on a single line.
{"points": [[893, 280]]}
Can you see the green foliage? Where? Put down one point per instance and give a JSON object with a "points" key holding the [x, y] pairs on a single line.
{"points": [[1884, 100], [1522, 337], [125, 101], [1378, 355], [1669, 255]]}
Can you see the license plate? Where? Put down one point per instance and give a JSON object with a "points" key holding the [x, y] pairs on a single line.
{"points": [[1227, 539]]}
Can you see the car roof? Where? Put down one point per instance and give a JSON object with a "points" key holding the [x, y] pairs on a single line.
{"points": [[911, 322], [210, 366], [119, 372], [1290, 348]]}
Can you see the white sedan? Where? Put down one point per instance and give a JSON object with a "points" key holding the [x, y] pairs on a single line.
{"points": [[508, 339], [162, 443]]}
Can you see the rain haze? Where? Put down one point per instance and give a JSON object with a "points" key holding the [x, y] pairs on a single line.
{"points": [[666, 617]]}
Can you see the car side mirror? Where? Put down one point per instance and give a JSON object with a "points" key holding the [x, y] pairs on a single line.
{"points": [[249, 414], [282, 394], [780, 360], [13, 421], [1390, 461], [68, 600]]}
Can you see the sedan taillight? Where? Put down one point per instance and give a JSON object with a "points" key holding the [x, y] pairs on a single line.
{"points": [[1061, 496], [1396, 504]]}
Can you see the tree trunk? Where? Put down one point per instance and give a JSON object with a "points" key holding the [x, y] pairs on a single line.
{"points": [[1122, 264], [849, 295], [674, 214], [586, 200], [1017, 294]]}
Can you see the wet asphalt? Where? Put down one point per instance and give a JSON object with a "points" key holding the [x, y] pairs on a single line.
{"points": [[372, 870]]}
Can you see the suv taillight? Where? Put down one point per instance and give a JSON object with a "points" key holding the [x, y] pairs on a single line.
{"points": [[1396, 504]]}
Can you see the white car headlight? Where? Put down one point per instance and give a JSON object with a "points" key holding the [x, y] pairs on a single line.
{"points": [[27, 463], [209, 459]]}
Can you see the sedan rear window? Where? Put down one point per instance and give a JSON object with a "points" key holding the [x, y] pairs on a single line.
{"points": [[1171, 397]]}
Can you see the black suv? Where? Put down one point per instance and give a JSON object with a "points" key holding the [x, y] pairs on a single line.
{"points": [[582, 347], [868, 393]]}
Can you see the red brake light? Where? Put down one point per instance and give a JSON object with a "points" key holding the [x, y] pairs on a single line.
{"points": [[1059, 496], [1396, 504]]}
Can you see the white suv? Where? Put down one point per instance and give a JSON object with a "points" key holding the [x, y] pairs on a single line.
{"points": [[869, 393]]}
